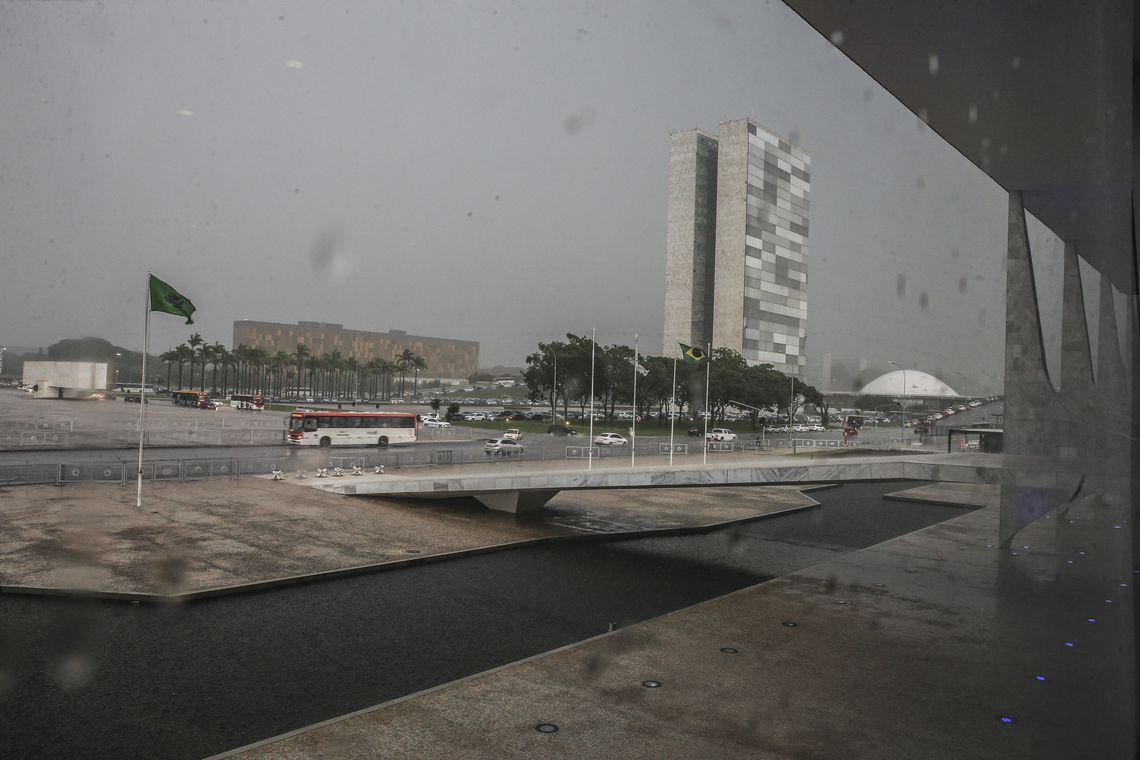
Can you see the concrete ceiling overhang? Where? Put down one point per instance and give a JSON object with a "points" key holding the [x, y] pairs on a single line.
{"points": [[1038, 94]]}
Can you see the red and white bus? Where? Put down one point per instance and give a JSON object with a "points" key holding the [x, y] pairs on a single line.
{"points": [[252, 401], [349, 428]]}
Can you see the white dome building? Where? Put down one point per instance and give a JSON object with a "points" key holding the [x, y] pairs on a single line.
{"points": [[918, 385]]}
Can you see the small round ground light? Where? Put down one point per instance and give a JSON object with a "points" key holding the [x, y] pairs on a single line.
{"points": [[879, 585], [729, 650], [651, 684], [1008, 720], [841, 601], [790, 624], [546, 728]]}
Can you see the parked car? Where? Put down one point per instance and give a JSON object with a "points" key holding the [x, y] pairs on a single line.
{"points": [[610, 439], [695, 431], [512, 434], [501, 447], [721, 434]]}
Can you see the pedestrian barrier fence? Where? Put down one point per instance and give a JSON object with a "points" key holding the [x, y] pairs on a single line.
{"points": [[721, 446], [57, 426], [35, 438], [583, 452], [675, 448]]}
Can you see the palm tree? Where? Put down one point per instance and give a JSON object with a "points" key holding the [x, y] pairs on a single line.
{"points": [[353, 368], [194, 341], [217, 354], [281, 360], [405, 361], [335, 365], [417, 364], [169, 358], [226, 359], [183, 354], [303, 353], [260, 358], [206, 353]]}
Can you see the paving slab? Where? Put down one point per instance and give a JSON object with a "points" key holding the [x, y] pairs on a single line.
{"points": [[210, 536], [954, 494]]}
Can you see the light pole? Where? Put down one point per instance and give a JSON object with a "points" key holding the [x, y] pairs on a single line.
{"points": [[2, 350], [756, 408], [554, 392], [906, 417], [965, 383]]}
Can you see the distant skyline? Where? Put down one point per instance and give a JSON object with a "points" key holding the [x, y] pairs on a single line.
{"points": [[490, 172]]}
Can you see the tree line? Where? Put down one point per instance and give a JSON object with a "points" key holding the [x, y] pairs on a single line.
{"points": [[731, 379], [251, 369]]}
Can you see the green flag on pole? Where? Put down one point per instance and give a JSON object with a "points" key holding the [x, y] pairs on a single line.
{"points": [[693, 355], [166, 299]]}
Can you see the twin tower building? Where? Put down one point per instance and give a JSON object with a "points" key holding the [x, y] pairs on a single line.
{"points": [[736, 244]]}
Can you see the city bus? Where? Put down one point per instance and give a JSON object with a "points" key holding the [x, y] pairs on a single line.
{"points": [[133, 388], [198, 399], [350, 428], [252, 401]]}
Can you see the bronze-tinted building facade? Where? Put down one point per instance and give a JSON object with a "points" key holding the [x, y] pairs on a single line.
{"points": [[445, 357]]}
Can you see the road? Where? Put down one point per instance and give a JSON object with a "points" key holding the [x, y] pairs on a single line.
{"points": [[546, 446], [112, 679]]}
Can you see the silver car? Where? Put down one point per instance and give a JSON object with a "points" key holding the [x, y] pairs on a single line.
{"points": [[501, 447]]}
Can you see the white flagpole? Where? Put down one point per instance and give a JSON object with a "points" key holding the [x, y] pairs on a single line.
{"points": [[672, 405], [708, 375], [590, 441], [633, 427], [142, 393]]}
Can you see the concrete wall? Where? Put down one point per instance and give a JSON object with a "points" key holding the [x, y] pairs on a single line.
{"points": [[71, 379]]}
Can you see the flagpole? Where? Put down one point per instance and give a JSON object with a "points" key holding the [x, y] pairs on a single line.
{"points": [[142, 393], [708, 376], [672, 406], [590, 441], [633, 428]]}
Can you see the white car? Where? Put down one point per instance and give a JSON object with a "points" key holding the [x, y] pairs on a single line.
{"points": [[721, 434], [817, 428], [435, 424], [610, 439]]}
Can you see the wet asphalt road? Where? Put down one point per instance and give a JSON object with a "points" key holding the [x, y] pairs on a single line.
{"points": [[112, 679]]}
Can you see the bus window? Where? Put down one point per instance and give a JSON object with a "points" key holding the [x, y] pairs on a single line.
{"points": [[310, 425]]}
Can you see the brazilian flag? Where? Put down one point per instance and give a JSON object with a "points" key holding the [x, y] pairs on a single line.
{"points": [[693, 355], [168, 300]]}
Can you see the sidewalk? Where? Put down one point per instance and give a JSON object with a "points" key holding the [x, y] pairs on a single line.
{"points": [[209, 536]]}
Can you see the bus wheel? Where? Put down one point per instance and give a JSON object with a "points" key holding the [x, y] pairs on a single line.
{"points": [[383, 441], [326, 442]]}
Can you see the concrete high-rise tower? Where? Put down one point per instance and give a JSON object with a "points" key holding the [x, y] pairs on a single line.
{"points": [[750, 292]]}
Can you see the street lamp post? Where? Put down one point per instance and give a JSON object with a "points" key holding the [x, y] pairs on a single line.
{"points": [[906, 417], [965, 383], [554, 392], [756, 408]]}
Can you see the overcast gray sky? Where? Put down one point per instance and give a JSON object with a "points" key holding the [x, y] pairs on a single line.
{"points": [[485, 171]]}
